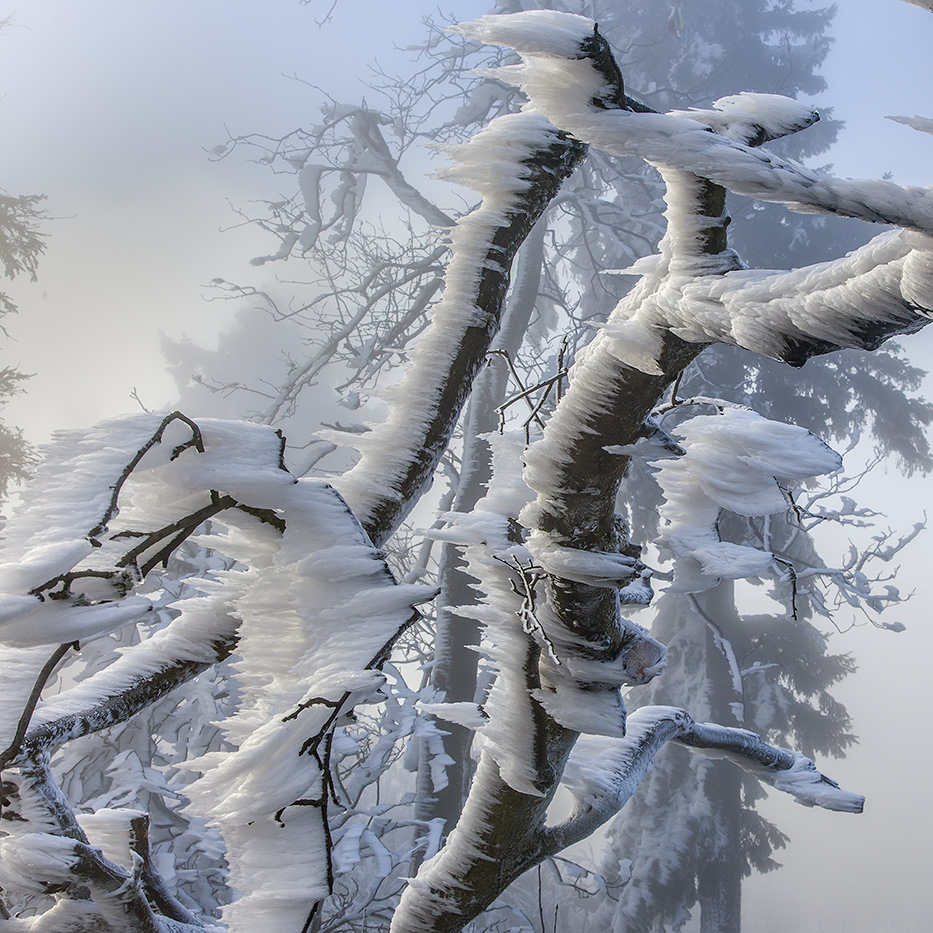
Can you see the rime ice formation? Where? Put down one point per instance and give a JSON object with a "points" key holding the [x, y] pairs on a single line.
{"points": [[497, 163], [311, 604], [736, 460], [563, 84]]}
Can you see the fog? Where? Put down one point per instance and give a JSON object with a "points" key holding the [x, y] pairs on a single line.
{"points": [[110, 109]]}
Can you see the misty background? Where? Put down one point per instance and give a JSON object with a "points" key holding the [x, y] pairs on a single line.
{"points": [[112, 109]]}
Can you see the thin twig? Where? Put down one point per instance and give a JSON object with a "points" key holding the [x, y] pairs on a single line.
{"points": [[13, 749], [197, 441]]}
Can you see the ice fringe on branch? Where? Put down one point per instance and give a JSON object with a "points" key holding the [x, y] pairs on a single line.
{"points": [[505, 163], [785, 315], [311, 603], [736, 460]]}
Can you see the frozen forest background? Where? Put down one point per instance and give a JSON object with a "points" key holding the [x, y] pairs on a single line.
{"points": [[113, 279]]}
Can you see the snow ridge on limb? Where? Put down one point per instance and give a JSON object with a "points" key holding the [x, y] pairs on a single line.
{"points": [[603, 773], [734, 460], [880, 290], [517, 164], [560, 83]]}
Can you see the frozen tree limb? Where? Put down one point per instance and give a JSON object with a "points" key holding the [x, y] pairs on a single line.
{"points": [[602, 773], [517, 164], [54, 854], [556, 46], [504, 833]]}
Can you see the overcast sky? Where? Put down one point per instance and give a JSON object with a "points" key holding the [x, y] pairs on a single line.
{"points": [[108, 107]]}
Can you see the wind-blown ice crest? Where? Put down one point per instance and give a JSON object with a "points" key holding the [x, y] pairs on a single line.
{"points": [[736, 460]]}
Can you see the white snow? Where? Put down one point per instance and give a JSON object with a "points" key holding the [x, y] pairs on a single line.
{"points": [[547, 33], [312, 607], [31, 856], [742, 117], [561, 90], [492, 164], [109, 829], [735, 460]]}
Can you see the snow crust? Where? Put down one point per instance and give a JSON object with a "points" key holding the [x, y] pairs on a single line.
{"points": [[736, 460]]}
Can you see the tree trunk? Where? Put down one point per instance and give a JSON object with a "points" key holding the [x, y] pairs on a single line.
{"points": [[719, 877], [455, 657]]}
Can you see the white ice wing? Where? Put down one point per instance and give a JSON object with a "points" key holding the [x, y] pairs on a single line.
{"points": [[547, 33], [604, 771], [59, 622], [492, 163], [735, 460], [496, 561], [205, 622], [97, 494], [560, 82], [313, 620], [32, 861], [748, 117], [595, 568], [65, 499], [812, 789], [468, 715], [285, 889], [275, 765], [21, 668], [109, 828], [239, 459]]}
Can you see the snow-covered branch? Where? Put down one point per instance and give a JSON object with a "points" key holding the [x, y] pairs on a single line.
{"points": [[503, 832], [517, 164], [565, 75], [603, 773], [295, 674]]}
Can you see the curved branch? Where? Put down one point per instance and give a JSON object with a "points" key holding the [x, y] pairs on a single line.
{"points": [[518, 163], [604, 773]]}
